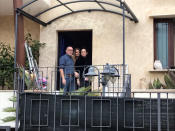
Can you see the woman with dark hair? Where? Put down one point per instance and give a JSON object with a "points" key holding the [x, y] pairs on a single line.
{"points": [[76, 54], [82, 62]]}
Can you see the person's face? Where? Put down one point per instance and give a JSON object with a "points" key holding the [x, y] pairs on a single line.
{"points": [[77, 53], [69, 51], [83, 52]]}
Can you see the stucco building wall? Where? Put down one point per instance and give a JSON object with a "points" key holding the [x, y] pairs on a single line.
{"points": [[7, 29], [7, 33], [107, 38]]}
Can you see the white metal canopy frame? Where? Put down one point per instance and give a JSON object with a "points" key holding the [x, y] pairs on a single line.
{"points": [[45, 12], [37, 9]]}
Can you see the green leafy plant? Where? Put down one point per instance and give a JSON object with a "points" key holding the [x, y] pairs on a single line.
{"points": [[156, 84], [7, 60], [94, 93], [170, 84], [29, 80], [9, 118], [169, 79], [6, 66], [83, 91], [13, 99], [150, 85], [10, 109]]}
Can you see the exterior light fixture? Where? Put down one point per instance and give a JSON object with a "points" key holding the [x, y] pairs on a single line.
{"points": [[107, 72], [91, 73], [115, 74], [110, 73]]}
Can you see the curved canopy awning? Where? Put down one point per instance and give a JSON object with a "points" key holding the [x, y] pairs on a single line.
{"points": [[45, 12]]}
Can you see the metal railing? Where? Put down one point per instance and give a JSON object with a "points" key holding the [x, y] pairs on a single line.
{"points": [[27, 83], [114, 108], [49, 80], [143, 111]]}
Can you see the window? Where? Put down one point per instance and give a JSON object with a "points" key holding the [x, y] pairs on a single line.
{"points": [[164, 42]]}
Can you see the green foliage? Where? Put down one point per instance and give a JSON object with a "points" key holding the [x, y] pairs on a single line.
{"points": [[150, 85], [81, 91], [27, 78], [172, 75], [93, 94], [9, 118], [170, 84], [156, 84], [6, 66], [13, 99], [35, 45], [169, 79], [9, 109], [7, 60]]}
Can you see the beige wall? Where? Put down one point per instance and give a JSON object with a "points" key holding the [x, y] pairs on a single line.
{"points": [[7, 29], [107, 38], [7, 34], [33, 28]]}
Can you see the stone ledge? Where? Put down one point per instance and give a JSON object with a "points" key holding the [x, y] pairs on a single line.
{"points": [[7, 90], [161, 70], [153, 91]]}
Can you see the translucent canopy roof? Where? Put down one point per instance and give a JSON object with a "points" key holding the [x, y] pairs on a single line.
{"points": [[45, 12]]}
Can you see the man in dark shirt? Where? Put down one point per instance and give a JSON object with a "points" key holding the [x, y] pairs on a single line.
{"points": [[67, 71]]}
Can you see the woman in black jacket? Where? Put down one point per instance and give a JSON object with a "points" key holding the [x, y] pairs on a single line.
{"points": [[82, 62]]}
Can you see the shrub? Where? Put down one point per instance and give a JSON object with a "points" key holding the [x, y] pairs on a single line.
{"points": [[6, 66], [156, 84], [169, 82], [7, 60]]}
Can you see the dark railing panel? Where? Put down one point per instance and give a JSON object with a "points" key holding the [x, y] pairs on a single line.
{"points": [[94, 113]]}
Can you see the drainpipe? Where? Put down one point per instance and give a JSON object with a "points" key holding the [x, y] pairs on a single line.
{"points": [[19, 35], [19, 57]]}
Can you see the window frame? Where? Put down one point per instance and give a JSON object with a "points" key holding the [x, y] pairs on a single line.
{"points": [[170, 40]]}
